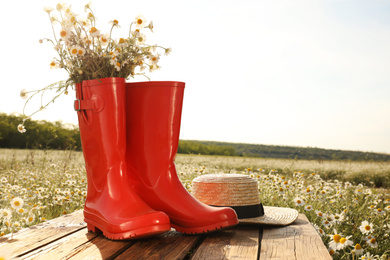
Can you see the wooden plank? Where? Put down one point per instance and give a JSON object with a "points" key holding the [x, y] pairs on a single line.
{"points": [[170, 245], [100, 248], [63, 247], [39, 235], [240, 242], [296, 241]]}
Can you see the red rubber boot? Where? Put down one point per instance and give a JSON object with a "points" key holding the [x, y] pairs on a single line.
{"points": [[111, 205], [153, 126]]}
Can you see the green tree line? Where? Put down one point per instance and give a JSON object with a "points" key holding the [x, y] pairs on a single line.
{"points": [[39, 135], [49, 135]]}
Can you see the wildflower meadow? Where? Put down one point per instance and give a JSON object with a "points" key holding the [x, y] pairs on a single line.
{"points": [[352, 219]]}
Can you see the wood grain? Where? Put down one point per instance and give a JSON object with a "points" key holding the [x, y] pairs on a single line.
{"points": [[297, 241], [240, 242], [67, 238], [171, 245], [39, 235]]}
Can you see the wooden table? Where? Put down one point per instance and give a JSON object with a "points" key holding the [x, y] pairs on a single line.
{"points": [[67, 238]]}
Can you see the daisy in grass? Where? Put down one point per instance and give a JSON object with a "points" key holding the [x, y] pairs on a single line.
{"points": [[358, 250], [366, 227], [326, 223], [379, 211], [335, 240], [372, 243], [299, 201], [17, 203], [5, 214], [320, 214], [319, 230], [338, 218], [308, 208], [368, 256], [344, 242]]}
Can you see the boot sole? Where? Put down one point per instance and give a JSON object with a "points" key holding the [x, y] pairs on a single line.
{"points": [[205, 229], [128, 235]]}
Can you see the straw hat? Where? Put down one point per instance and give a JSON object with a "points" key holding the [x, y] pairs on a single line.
{"points": [[241, 193]]}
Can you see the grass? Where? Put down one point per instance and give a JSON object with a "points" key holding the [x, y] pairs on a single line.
{"points": [[345, 201]]}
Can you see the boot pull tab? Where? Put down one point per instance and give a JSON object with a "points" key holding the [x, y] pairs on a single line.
{"points": [[96, 104]]}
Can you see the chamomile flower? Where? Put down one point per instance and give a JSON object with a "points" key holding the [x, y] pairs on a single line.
{"points": [[379, 211], [368, 256], [358, 250], [320, 214], [94, 32], [122, 43], [114, 23], [150, 26], [335, 240], [65, 33], [30, 219], [141, 38], [23, 94], [308, 208], [17, 203], [48, 9], [104, 39], [299, 201], [5, 214], [344, 242], [140, 21], [372, 243], [366, 227], [74, 51], [338, 218], [154, 59], [54, 64], [80, 51]]}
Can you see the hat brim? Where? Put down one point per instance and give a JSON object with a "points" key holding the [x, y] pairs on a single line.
{"points": [[273, 216]]}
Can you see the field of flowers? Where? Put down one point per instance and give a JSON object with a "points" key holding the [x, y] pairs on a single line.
{"points": [[352, 219]]}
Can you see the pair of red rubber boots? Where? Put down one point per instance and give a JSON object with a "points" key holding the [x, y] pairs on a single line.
{"points": [[129, 134]]}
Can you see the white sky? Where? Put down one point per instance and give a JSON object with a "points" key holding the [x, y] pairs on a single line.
{"points": [[300, 73]]}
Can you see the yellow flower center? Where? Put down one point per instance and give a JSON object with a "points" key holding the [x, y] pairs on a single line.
{"points": [[121, 40], [118, 64], [81, 52], [30, 219], [299, 201], [367, 227], [115, 22], [320, 214], [373, 241], [343, 240], [307, 190], [379, 210], [336, 238], [93, 30], [331, 252], [63, 34], [139, 21], [21, 210], [140, 39], [17, 203], [358, 246], [74, 51]]}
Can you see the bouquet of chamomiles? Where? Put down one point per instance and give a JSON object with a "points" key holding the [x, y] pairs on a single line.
{"points": [[87, 53]]}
